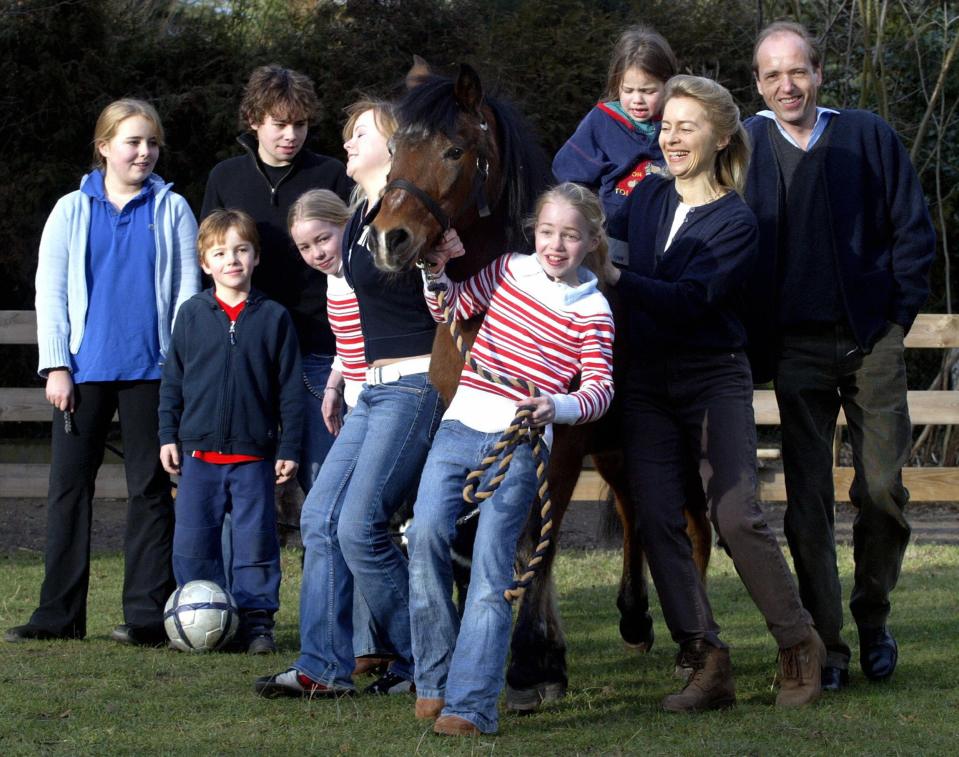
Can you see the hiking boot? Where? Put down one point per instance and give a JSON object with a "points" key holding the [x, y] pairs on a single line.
{"points": [[710, 687], [683, 668], [293, 683], [454, 725], [800, 671], [262, 644], [429, 709], [390, 684]]}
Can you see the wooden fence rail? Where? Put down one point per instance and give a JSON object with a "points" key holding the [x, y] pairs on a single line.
{"points": [[931, 331]]}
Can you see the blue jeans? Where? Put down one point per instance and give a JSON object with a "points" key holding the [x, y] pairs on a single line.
{"points": [[372, 467], [316, 439], [463, 662], [206, 493]]}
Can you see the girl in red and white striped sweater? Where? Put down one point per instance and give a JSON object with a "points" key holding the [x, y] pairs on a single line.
{"points": [[546, 322], [316, 222]]}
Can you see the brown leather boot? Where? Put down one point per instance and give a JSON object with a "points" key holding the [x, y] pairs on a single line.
{"points": [[428, 709], [454, 725], [710, 687], [800, 671]]}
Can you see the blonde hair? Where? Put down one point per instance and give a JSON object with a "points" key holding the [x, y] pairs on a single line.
{"points": [[723, 114], [643, 48], [587, 204], [113, 115], [384, 116], [318, 205], [215, 226]]}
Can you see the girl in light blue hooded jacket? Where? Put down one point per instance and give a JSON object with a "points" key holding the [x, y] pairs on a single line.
{"points": [[117, 258]]}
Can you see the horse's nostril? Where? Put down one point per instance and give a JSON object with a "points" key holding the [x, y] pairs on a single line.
{"points": [[396, 239]]}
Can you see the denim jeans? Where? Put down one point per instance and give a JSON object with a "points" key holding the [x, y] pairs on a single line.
{"points": [[821, 369], [698, 407], [206, 493], [464, 662], [316, 439], [370, 470]]}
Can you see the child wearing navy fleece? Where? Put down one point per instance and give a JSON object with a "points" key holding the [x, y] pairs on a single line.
{"points": [[616, 145], [231, 378]]}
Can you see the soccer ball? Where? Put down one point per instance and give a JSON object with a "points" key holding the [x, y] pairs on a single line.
{"points": [[200, 617]]}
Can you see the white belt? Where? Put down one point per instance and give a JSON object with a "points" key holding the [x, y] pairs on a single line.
{"points": [[386, 374]]}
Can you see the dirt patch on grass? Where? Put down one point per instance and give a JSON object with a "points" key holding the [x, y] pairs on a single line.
{"points": [[587, 525]]}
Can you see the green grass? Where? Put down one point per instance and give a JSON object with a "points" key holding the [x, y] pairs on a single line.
{"points": [[97, 697]]}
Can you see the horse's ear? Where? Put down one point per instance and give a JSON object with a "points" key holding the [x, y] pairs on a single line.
{"points": [[419, 72], [468, 89]]}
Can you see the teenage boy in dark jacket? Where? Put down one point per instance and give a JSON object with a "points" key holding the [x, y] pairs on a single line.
{"points": [[231, 403], [846, 244], [277, 107]]}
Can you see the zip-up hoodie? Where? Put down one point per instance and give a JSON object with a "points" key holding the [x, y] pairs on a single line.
{"points": [[61, 282], [240, 183], [228, 387]]}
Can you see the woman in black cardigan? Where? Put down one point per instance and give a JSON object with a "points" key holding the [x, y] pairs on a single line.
{"points": [[688, 394]]}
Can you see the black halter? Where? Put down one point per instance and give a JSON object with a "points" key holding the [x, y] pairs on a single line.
{"points": [[477, 197]]}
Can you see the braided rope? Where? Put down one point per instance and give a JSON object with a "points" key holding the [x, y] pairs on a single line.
{"points": [[518, 432]]}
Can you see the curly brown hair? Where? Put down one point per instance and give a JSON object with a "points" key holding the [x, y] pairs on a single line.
{"points": [[283, 93]]}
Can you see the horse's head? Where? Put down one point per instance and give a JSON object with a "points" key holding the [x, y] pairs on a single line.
{"points": [[445, 171]]}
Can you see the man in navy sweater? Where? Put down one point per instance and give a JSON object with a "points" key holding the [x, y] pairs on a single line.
{"points": [[264, 182], [845, 250]]}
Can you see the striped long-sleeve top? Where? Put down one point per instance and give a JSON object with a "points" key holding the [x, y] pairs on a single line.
{"points": [[344, 313], [536, 329]]}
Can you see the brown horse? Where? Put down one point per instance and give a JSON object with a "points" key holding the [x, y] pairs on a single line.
{"points": [[467, 161]]}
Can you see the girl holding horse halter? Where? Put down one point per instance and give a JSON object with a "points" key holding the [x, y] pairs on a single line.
{"points": [[689, 392], [374, 461], [546, 322]]}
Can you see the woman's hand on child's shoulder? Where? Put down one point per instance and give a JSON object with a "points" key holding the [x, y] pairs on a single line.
{"points": [[450, 246]]}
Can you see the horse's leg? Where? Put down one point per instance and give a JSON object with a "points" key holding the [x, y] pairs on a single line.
{"points": [[537, 669], [635, 622]]}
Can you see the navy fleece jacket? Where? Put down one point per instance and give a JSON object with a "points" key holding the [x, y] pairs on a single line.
{"points": [[229, 391], [884, 241], [688, 298]]}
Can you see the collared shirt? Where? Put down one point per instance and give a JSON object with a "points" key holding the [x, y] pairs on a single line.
{"points": [[822, 121], [121, 340]]}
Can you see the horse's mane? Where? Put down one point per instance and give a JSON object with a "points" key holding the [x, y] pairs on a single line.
{"points": [[431, 107]]}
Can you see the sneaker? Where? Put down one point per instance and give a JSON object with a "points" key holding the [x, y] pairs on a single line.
{"points": [[293, 683], [390, 684], [800, 671], [262, 644]]}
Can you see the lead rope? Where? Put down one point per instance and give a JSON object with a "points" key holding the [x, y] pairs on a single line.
{"points": [[518, 432]]}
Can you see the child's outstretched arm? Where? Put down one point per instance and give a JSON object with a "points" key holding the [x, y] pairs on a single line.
{"points": [[466, 298]]}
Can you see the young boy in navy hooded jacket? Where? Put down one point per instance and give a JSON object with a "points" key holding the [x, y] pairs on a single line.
{"points": [[231, 405]]}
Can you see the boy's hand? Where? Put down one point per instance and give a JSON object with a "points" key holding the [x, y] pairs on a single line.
{"points": [[450, 246], [170, 459], [60, 389], [543, 410], [285, 470]]}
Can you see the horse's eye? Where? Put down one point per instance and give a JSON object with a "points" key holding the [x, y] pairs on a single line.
{"points": [[454, 153]]}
